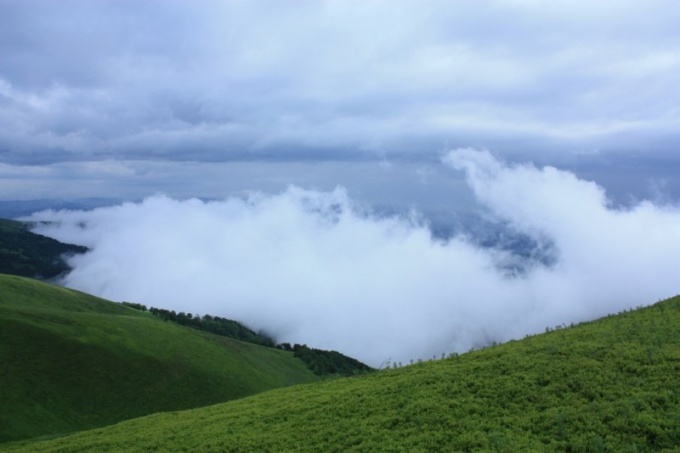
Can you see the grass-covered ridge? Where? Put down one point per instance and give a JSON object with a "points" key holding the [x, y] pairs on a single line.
{"points": [[28, 254], [70, 361], [609, 385], [321, 362]]}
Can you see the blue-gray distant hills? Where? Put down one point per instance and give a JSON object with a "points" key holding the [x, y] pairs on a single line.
{"points": [[11, 209]]}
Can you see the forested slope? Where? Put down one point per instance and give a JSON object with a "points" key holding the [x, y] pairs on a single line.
{"points": [[32, 255]]}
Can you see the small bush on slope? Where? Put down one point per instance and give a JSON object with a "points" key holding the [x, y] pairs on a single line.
{"points": [[609, 385]]}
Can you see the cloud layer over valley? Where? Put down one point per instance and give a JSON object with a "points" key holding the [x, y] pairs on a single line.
{"points": [[318, 268]]}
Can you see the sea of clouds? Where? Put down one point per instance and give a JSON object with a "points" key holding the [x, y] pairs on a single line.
{"points": [[318, 268]]}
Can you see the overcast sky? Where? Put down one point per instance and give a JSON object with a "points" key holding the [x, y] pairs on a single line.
{"points": [[208, 98]]}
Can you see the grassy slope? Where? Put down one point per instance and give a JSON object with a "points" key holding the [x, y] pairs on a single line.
{"points": [[609, 385], [70, 361]]}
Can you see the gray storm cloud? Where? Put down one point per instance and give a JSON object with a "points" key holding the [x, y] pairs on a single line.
{"points": [[317, 268], [130, 98]]}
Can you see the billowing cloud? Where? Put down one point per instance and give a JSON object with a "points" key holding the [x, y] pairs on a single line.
{"points": [[318, 268]]}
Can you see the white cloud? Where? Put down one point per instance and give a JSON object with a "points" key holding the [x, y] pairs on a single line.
{"points": [[314, 267]]}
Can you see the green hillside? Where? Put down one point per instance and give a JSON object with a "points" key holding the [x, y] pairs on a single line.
{"points": [[70, 361], [32, 255], [609, 385], [28, 254]]}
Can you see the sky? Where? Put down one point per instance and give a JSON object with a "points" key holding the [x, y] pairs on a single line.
{"points": [[296, 158], [125, 99]]}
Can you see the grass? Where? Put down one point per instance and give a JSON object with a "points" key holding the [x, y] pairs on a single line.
{"points": [[70, 361], [608, 385]]}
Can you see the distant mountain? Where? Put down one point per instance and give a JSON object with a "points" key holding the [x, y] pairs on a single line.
{"points": [[32, 255], [12, 209], [607, 385], [70, 361]]}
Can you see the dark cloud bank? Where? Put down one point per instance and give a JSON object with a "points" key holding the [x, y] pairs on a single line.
{"points": [[109, 89], [315, 267]]}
